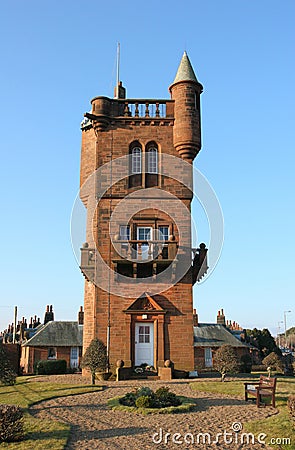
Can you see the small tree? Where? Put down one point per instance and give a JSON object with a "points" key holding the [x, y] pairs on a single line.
{"points": [[273, 362], [95, 358], [226, 361], [7, 374]]}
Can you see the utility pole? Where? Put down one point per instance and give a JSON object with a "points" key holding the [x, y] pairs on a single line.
{"points": [[285, 320], [279, 335]]}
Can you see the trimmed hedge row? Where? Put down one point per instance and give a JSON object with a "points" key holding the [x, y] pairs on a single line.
{"points": [[51, 367]]}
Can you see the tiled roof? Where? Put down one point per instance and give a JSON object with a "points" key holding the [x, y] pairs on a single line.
{"points": [[185, 70], [214, 335], [57, 334]]}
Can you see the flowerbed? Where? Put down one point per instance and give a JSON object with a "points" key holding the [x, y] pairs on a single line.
{"points": [[146, 401]]}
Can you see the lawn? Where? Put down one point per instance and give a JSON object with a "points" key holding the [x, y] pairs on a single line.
{"points": [[40, 434], [278, 426]]}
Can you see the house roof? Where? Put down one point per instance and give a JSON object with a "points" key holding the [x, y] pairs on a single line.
{"points": [[214, 335], [57, 334]]}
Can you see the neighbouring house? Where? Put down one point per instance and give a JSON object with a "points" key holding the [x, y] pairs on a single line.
{"points": [[208, 337], [53, 340]]}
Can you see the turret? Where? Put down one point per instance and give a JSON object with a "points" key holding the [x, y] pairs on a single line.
{"points": [[185, 91]]}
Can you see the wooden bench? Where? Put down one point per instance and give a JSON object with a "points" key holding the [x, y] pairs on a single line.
{"points": [[266, 387]]}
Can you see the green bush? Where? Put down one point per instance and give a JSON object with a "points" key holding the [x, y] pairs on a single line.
{"points": [[144, 397], [129, 399], [165, 398], [273, 362], [7, 374], [144, 391], [11, 423], [291, 405], [51, 367], [246, 363], [144, 401]]}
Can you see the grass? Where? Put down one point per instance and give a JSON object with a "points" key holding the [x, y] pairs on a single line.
{"points": [[278, 426], [187, 404], [40, 434]]}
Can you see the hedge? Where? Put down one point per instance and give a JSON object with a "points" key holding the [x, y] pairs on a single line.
{"points": [[51, 367]]}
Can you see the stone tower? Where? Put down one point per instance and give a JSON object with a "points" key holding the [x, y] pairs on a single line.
{"points": [[136, 179]]}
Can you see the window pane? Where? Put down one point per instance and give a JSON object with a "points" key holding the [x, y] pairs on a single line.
{"points": [[136, 160], [152, 160], [141, 330], [147, 330], [125, 232], [144, 234], [147, 339], [164, 233]]}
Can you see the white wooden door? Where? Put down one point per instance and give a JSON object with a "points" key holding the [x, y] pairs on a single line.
{"points": [[144, 343], [208, 357], [74, 357]]}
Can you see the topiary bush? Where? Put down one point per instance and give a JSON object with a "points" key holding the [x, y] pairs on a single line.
{"points": [[51, 367], [11, 423], [95, 358]]}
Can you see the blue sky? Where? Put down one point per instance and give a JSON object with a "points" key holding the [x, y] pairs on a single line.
{"points": [[56, 56]]}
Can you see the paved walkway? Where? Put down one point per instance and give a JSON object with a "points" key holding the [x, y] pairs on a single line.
{"points": [[96, 426]]}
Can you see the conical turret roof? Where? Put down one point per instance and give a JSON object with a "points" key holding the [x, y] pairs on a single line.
{"points": [[185, 70]]}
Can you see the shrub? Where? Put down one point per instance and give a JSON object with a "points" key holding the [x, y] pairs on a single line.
{"points": [[144, 401], [95, 357], [51, 367], [274, 362], [226, 361], [7, 374], [164, 398], [144, 397], [258, 368], [291, 405], [246, 363], [11, 423], [129, 399], [144, 391]]}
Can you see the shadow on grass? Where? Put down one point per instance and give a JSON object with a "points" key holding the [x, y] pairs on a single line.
{"points": [[107, 433], [47, 435]]}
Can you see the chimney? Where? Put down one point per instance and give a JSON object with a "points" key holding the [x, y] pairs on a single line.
{"points": [[120, 91], [49, 315], [81, 316], [221, 318], [195, 318]]}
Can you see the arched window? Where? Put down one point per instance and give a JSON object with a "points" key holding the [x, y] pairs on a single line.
{"points": [[135, 165], [151, 167], [152, 160], [136, 160]]}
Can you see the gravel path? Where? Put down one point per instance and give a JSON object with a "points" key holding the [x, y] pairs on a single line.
{"points": [[95, 426]]}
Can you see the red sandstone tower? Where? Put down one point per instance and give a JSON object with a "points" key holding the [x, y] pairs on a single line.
{"points": [[136, 179]]}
